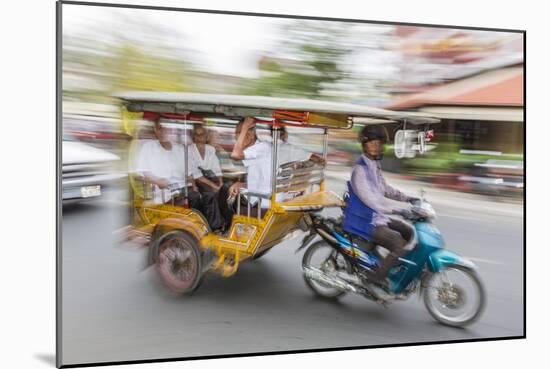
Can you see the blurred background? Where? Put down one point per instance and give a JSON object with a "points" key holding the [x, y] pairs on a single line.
{"points": [[472, 80], [473, 172]]}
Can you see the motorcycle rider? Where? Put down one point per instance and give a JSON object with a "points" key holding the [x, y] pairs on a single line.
{"points": [[366, 212]]}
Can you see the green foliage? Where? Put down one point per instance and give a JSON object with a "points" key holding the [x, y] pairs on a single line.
{"points": [[135, 69], [316, 53], [94, 69]]}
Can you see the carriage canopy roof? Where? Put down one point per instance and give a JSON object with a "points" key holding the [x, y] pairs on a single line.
{"points": [[305, 112]]}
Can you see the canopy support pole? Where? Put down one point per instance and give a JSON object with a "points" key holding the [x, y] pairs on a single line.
{"points": [[274, 161], [325, 155], [185, 187]]}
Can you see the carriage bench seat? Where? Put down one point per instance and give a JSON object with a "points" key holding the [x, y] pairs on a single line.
{"points": [[313, 201]]}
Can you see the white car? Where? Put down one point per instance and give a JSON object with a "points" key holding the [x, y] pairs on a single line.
{"points": [[87, 171]]}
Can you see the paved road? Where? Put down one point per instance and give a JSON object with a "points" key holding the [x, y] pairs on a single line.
{"points": [[115, 310]]}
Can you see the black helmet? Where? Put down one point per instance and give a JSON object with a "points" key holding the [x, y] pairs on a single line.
{"points": [[372, 132]]}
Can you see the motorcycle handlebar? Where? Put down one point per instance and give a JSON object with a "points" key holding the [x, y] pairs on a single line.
{"points": [[404, 213]]}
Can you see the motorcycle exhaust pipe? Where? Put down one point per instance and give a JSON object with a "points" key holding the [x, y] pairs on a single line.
{"points": [[331, 281], [342, 285]]}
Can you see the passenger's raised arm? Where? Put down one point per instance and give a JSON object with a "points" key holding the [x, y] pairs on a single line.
{"points": [[245, 136]]}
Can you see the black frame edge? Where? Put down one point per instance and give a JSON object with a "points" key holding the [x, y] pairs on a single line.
{"points": [[58, 167], [525, 183]]}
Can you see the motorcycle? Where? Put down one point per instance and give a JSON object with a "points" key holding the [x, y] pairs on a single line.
{"points": [[339, 263]]}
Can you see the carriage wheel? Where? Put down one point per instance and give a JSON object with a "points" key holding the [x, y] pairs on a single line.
{"points": [[179, 262]]}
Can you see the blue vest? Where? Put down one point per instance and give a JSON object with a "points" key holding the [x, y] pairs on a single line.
{"points": [[358, 217]]}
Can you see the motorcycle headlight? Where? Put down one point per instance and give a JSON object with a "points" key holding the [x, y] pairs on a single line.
{"points": [[424, 210]]}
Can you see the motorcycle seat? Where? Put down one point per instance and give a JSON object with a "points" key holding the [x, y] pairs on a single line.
{"points": [[363, 244]]}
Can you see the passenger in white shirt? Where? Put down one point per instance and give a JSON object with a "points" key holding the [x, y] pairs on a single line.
{"points": [[162, 164], [205, 165], [256, 156]]}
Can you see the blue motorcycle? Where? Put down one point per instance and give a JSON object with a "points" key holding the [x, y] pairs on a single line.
{"points": [[339, 263]]}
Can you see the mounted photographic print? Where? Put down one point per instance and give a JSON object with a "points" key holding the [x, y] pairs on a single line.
{"points": [[240, 184]]}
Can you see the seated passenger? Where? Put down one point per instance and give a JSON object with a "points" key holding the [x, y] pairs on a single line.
{"points": [[256, 157], [206, 170], [161, 163]]}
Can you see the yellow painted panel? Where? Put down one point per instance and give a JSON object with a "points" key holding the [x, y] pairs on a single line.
{"points": [[320, 198], [280, 226], [329, 120], [129, 121]]}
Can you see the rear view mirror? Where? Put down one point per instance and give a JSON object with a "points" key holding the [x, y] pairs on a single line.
{"points": [[403, 143], [407, 142], [421, 142]]}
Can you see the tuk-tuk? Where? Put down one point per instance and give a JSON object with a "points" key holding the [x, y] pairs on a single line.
{"points": [[181, 243]]}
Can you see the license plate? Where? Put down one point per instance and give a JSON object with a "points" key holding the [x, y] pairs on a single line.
{"points": [[90, 191]]}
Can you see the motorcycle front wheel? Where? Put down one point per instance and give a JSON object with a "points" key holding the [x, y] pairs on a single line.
{"points": [[320, 256], [454, 296]]}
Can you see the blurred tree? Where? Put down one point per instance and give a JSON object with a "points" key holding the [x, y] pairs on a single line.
{"points": [[135, 69], [306, 62], [319, 59], [94, 75], [93, 69]]}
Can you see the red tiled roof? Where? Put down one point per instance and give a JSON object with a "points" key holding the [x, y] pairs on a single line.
{"points": [[507, 92], [495, 88]]}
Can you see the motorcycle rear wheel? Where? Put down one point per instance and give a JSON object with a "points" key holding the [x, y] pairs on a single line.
{"points": [[320, 255]]}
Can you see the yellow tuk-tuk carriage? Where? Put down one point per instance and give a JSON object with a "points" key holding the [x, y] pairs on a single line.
{"points": [[181, 243]]}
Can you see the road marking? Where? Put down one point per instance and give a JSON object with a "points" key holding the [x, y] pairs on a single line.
{"points": [[463, 217], [113, 202], [485, 261], [485, 218]]}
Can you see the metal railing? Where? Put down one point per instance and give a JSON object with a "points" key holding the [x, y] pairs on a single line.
{"points": [[166, 194], [299, 179], [249, 196]]}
